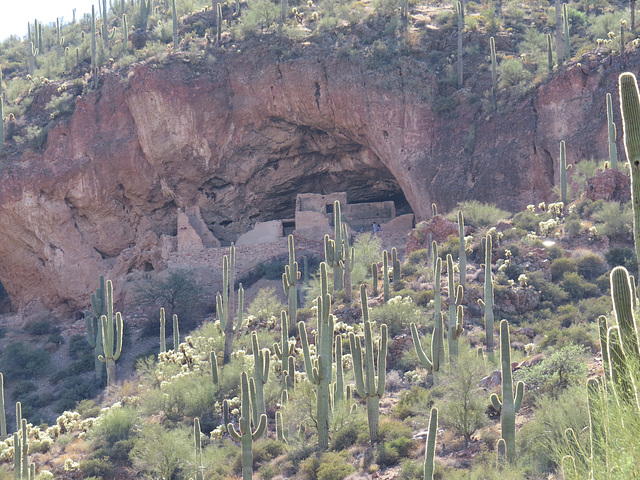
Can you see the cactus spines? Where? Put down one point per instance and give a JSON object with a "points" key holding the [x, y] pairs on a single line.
{"points": [[487, 303], [111, 336], [197, 437], [611, 129], [385, 276], [290, 279], [510, 403], [261, 359], [93, 325], [3, 415], [367, 385], [163, 333], [320, 371], [630, 107], [563, 173], [430, 449], [462, 255], [245, 436]]}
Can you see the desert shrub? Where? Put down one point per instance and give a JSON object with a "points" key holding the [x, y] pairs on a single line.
{"points": [[391, 452], [334, 466], [413, 402], [22, 360], [560, 266], [397, 314], [601, 25], [556, 372], [622, 256], [75, 389], [159, 451], [511, 73], [114, 425], [79, 347], [591, 266], [577, 287], [463, 407], [550, 292], [42, 327], [411, 470], [260, 13], [528, 220], [419, 257], [23, 388], [614, 220], [267, 451], [265, 306], [96, 468], [480, 214]]}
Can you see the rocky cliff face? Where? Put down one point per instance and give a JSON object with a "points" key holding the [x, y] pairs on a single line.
{"points": [[239, 137]]}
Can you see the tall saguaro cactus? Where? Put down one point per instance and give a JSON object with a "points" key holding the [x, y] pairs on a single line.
{"points": [[494, 72], [261, 359], [611, 129], [549, 54], [111, 336], [225, 302], [285, 352], [510, 403], [385, 276], [163, 333], [460, 13], [334, 249], [487, 303], [3, 415], [290, 279], [462, 250], [197, 437], [320, 371], [565, 33], [367, 385], [174, 16], [630, 107], [430, 449], [563, 173], [94, 325], [245, 436]]}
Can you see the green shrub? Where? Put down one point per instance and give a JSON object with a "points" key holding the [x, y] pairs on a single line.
{"points": [[419, 257], [159, 451], [265, 306], [96, 467], [413, 402], [41, 327], [528, 220], [591, 266], [577, 287], [22, 360], [481, 215], [389, 453], [266, 451], [614, 220], [397, 314], [334, 466], [622, 256], [560, 266], [511, 73], [114, 425], [556, 372]]}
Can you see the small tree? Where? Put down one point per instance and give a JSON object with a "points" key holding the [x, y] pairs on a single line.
{"points": [[177, 292]]}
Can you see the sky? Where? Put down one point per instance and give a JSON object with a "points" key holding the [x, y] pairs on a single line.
{"points": [[15, 14]]}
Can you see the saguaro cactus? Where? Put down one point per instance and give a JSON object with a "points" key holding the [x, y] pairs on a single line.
{"points": [[197, 434], [494, 72], [430, 449], [174, 16], [261, 359], [624, 352], [320, 371], [225, 302], [3, 416], [563, 173], [366, 384], [111, 336], [611, 129], [374, 278], [462, 250], [630, 107], [219, 21], [94, 325], [460, 14], [487, 303], [349, 261], [395, 265], [245, 436], [385, 276], [549, 53], [285, 351], [334, 249], [290, 279], [565, 33], [510, 403], [163, 333], [437, 346]]}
